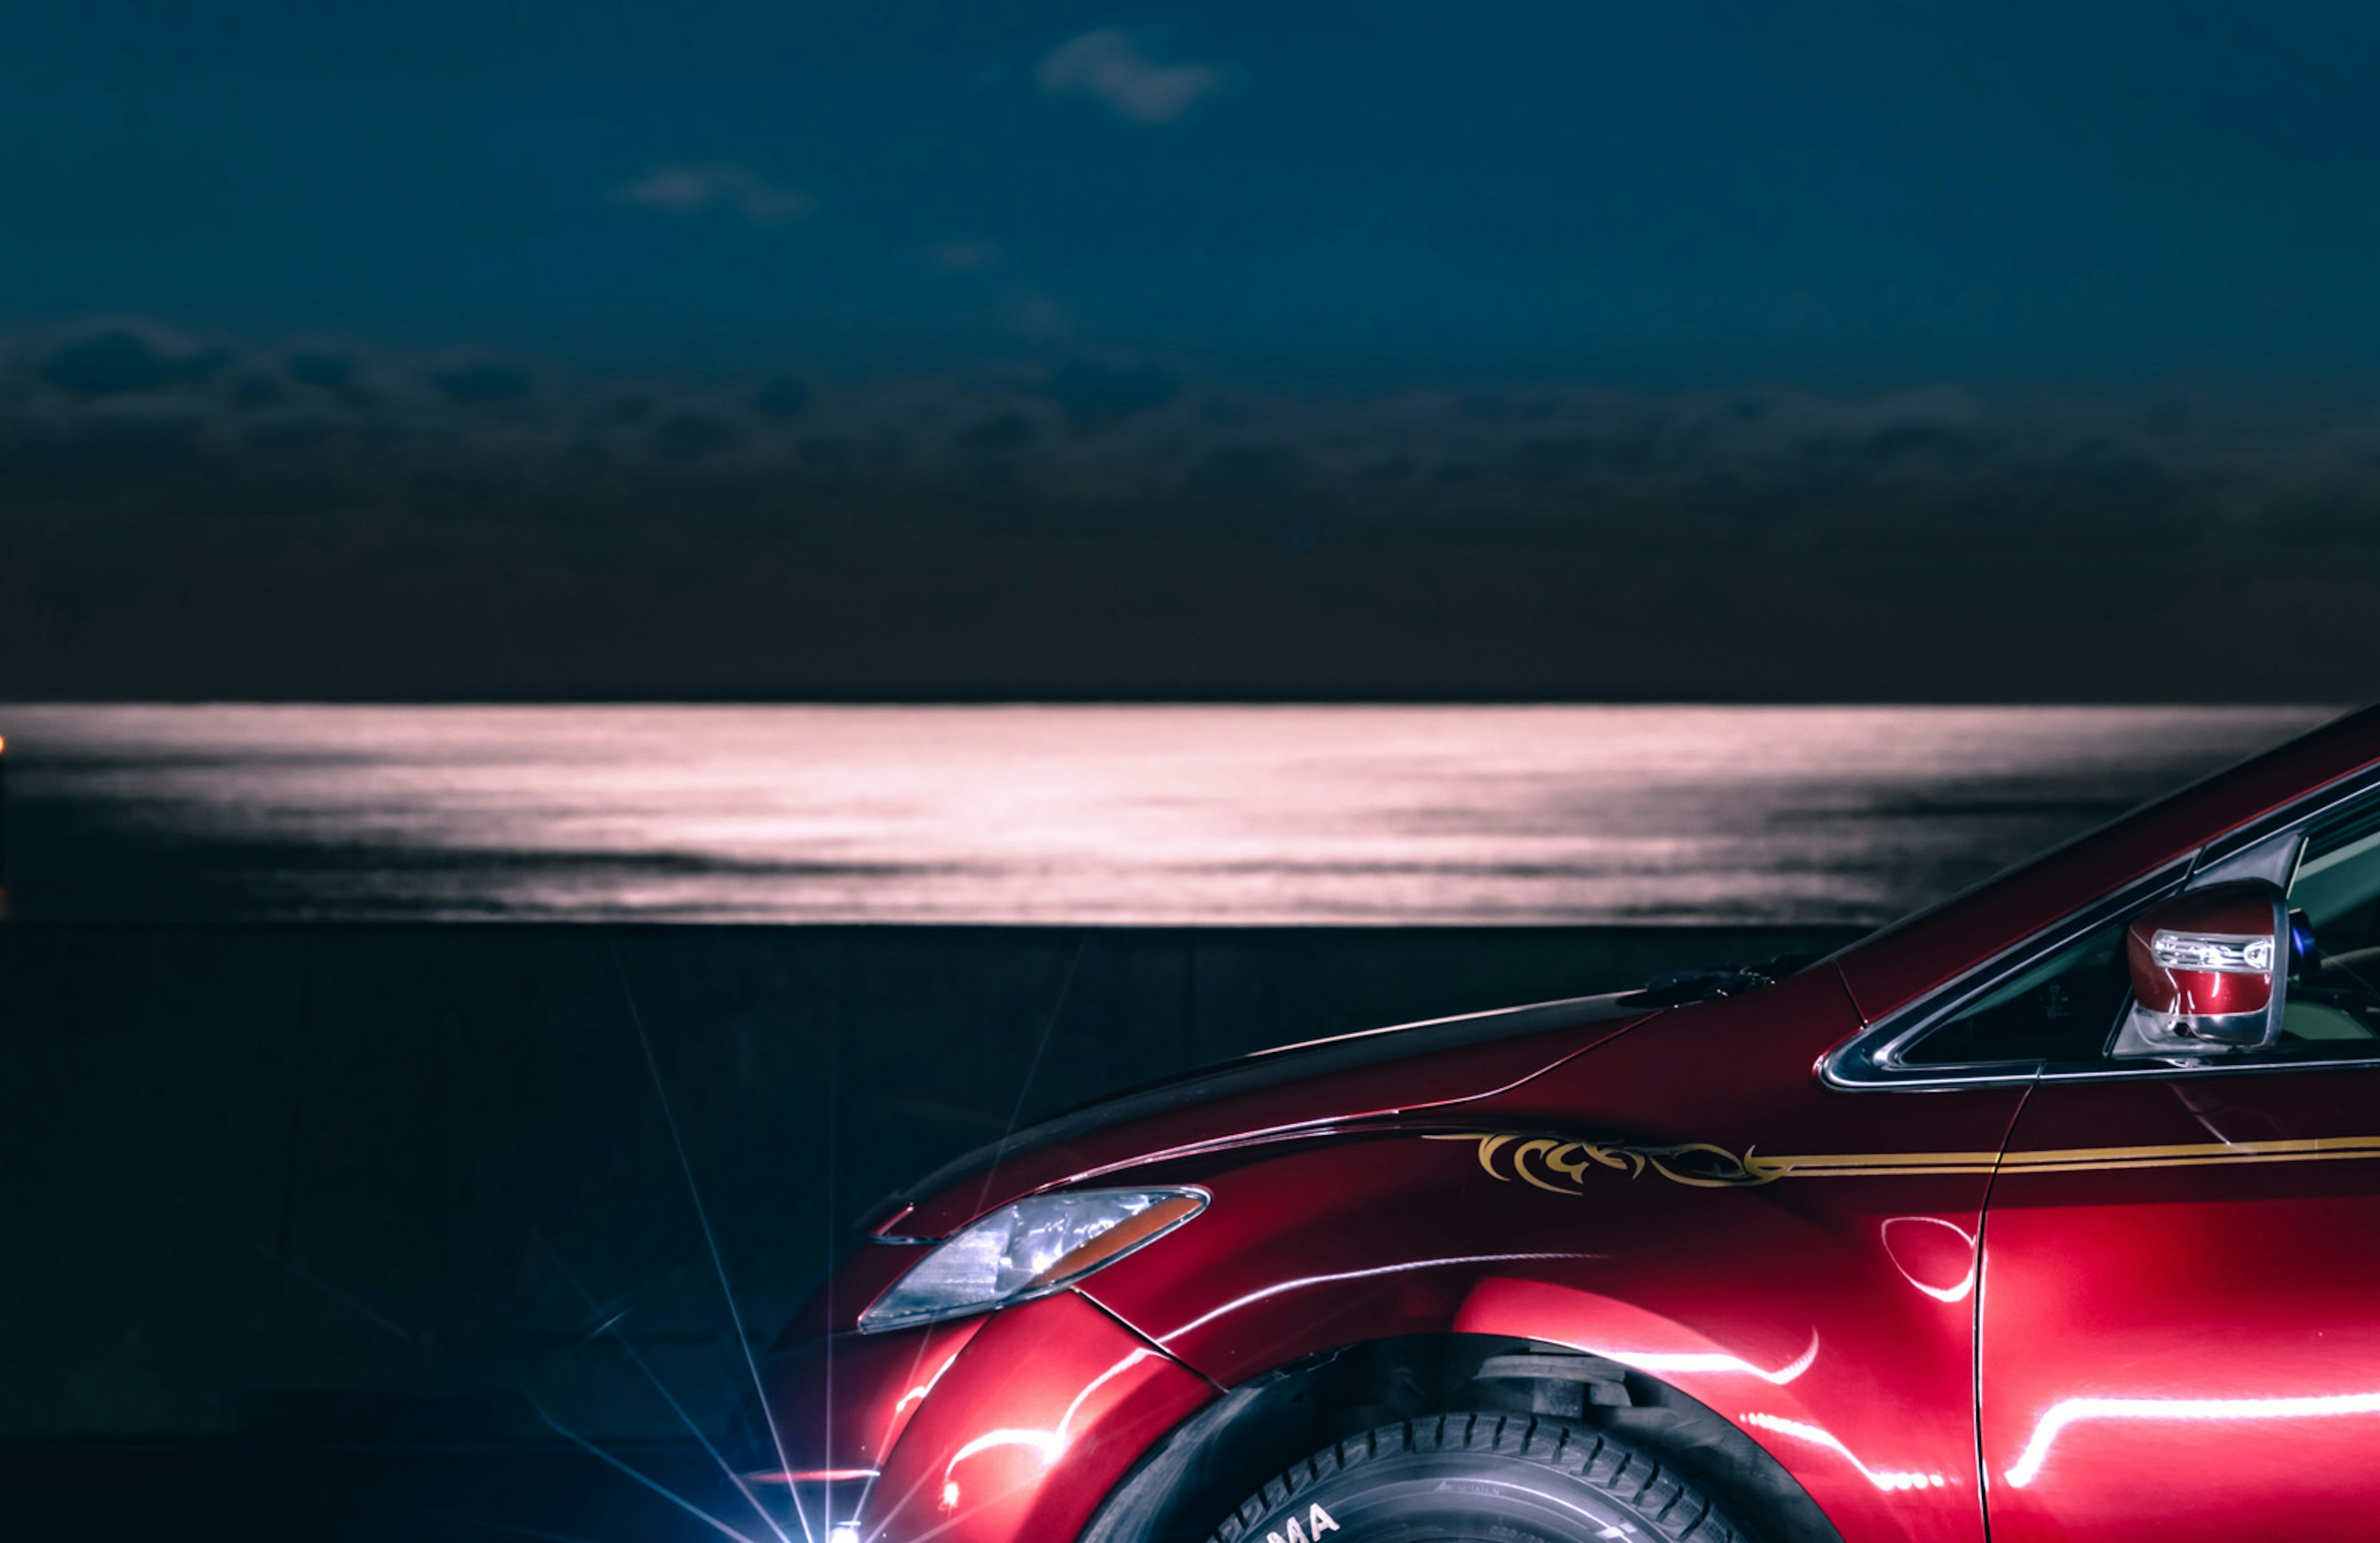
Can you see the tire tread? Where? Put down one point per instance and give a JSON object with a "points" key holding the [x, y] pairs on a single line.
{"points": [[1675, 1511]]}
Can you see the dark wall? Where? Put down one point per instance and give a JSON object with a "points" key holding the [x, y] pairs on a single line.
{"points": [[392, 1179]]}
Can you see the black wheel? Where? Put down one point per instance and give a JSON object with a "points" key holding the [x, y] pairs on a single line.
{"points": [[1478, 1478]]}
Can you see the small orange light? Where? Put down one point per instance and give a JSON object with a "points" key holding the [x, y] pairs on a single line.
{"points": [[1126, 1235]]}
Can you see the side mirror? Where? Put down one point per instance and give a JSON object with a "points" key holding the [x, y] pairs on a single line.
{"points": [[2213, 965]]}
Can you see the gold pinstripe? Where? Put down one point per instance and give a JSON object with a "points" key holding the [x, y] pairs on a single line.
{"points": [[1560, 1166], [2084, 1160]]}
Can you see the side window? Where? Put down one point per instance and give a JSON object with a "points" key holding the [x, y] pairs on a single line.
{"points": [[2068, 1006], [2335, 993], [2062, 1009]]}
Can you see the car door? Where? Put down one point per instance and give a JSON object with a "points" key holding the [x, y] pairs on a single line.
{"points": [[2180, 1312]]}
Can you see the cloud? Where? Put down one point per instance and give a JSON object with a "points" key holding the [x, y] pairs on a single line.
{"points": [[1733, 477], [692, 189], [1093, 392], [1039, 318], [129, 358], [483, 381], [1110, 67], [194, 502], [962, 256]]}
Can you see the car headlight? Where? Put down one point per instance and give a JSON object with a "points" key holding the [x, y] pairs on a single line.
{"points": [[1029, 1249]]}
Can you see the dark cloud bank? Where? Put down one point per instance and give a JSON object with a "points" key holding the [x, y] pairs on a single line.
{"points": [[185, 518]]}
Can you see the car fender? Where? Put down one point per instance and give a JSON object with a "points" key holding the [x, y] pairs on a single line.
{"points": [[1820, 1301]]}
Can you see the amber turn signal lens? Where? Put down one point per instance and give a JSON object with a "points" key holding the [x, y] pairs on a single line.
{"points": [[1124, 1236]]}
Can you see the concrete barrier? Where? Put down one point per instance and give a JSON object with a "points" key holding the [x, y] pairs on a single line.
{"points": [[387, 1181]]}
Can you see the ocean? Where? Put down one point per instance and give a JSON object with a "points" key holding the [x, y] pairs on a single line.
{"points": [[1105, 815]]}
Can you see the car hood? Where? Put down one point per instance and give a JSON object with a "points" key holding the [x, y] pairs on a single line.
{"points": [[1271, 1094]]}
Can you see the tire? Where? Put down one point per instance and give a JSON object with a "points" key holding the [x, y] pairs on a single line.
{"points": [[1478, 1478]]}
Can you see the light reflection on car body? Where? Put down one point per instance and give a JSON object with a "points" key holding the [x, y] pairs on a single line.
{"points": [[1595, 1177]]}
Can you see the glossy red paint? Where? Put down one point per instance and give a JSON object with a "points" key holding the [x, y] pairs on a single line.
{"points": [[1723, 1291], [1680, 1192], [1400, 1087], [1011, 1427], [2185, 1351], [841, 1404]]}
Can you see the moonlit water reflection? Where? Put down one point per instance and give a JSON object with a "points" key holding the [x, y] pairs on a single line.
{"points": [[1069, 814]]}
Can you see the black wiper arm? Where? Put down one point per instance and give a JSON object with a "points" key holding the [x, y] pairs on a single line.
{"points": [[1718, 980]]}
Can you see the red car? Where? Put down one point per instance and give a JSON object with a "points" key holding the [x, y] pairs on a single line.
{"points": [[2053, 1211]]}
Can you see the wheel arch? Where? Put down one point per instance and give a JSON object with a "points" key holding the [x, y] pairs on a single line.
{"points": [[1187, 1481]]}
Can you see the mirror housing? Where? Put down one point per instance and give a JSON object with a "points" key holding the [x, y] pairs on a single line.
{"points": [[2213, 965]]}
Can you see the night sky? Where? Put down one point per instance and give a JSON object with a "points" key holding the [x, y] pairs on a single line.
{"points": [[2000, 278], [1677, 193]]}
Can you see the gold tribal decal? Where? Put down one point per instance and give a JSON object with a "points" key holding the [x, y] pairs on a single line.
{"points": [[1559, 1167]]}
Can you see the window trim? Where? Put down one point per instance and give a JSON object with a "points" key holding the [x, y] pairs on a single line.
{"points": [[1869, 1061]]}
